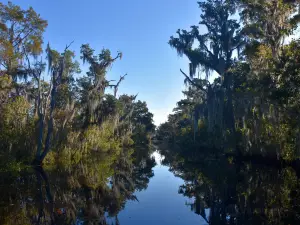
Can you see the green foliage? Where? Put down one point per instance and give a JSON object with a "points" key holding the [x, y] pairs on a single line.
{"points": [[20, 35], [65, 120], [17, 129], [101, 138], [5, 88], [252, 108], [142, 121]]}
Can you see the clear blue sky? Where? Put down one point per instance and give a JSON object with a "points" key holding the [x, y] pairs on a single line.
{"points": [[138, 28]]}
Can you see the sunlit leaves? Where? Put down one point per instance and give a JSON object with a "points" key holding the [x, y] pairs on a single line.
{"points": [[20, 30]]}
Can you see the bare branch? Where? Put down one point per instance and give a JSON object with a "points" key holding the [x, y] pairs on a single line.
{"points": [[192, 82], [68, 46], [135, 96], [116, 86], [121, 79]]}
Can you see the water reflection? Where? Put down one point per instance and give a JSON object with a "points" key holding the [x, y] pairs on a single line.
{"points": [[225, 192], [138, 187], [160, 204], [87, 193]]}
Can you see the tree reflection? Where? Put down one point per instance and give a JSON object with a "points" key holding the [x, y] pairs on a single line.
{"points": [[224, 192], [87, 193]]}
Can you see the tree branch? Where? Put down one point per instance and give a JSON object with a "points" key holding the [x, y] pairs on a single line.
{"points": [[121, 78], [22, 39], [19, 35], [192, 82], [68, 46], [202, 44], [118, 56]]}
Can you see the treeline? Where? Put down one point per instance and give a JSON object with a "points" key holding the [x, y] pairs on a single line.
{"points": [[61, 118], [252, 107]]}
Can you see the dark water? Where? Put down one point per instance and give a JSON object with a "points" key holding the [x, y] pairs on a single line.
{"points": [[147, 188]]}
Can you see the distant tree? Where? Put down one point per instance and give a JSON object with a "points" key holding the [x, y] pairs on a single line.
{"points": [[142, 122]]}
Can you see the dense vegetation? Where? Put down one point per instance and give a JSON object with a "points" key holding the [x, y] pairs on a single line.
{"points": [[252, 107], [94, 144], [68, 115], [236, 140]]}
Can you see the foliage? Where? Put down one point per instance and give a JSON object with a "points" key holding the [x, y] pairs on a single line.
{"points": [[142, 121], [17, 129], [252, 107], [20, 35], [69, 118]]}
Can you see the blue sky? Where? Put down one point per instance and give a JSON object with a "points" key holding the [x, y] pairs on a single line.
{"points": [[138, 28]]}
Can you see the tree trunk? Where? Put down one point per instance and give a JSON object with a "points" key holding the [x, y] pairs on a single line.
{"points": [[40, 123], [229, 113], [50, 124]]}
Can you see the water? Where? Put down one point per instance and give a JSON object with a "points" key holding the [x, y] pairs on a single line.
{"points": [[151, 188], [160, 203]]}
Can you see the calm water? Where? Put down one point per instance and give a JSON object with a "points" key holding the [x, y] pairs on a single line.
{"points": [[160, 203], [139, 187]]}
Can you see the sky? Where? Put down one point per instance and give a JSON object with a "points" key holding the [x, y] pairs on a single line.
{"points": [[140, 29]]}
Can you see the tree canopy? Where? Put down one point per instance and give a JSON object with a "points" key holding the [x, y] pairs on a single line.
{"points": [[250, 109], [68, 116]]}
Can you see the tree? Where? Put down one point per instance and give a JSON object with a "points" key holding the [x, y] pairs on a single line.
{"points": [[56, 65], [20, 33], [256, 91], [142, 122], [116, 86], [269, 22], [64, 119], [215, 51], [97, 81]]}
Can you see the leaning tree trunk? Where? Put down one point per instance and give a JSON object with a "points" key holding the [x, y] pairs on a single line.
{"points": [[56, 77], [50, 125]]}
